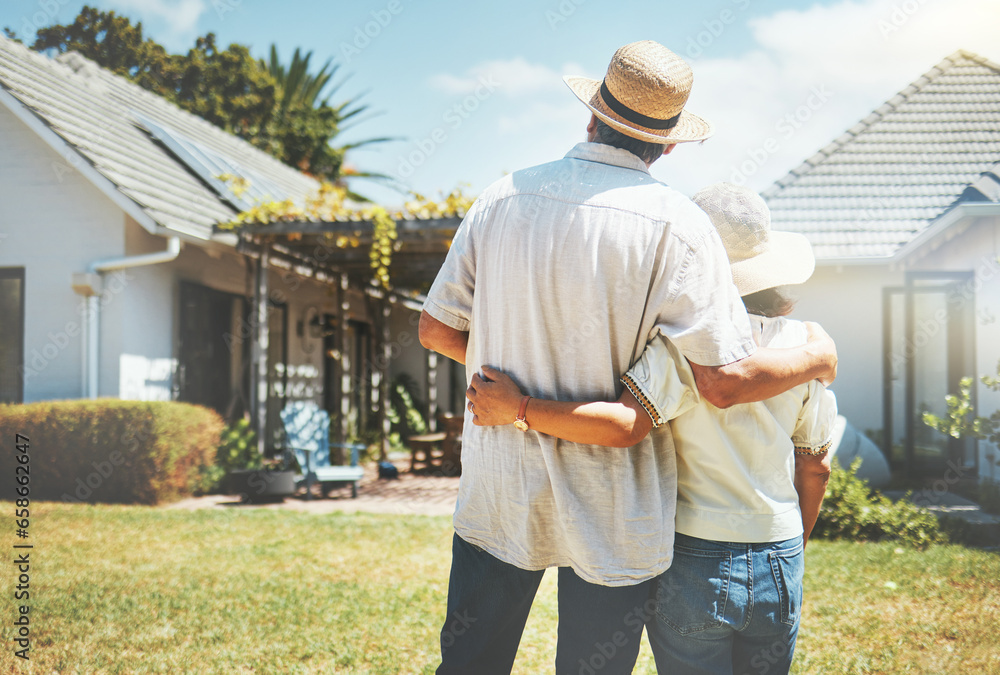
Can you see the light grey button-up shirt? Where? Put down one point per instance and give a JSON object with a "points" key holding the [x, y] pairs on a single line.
{"points": [[561, 273]]}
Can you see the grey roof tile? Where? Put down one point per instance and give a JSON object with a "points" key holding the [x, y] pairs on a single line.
{"points": [[884, 181], [91, 109]]}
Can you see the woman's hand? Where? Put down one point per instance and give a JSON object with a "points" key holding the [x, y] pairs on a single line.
{"points": [[493, 399]]}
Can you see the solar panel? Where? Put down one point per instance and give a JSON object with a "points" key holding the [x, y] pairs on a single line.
{"points": [[209, 165]]}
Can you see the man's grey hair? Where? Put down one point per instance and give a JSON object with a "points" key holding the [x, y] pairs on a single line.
{"points": [[647, 152]]}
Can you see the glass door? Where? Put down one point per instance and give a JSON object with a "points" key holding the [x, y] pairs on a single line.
{"points": [[928, 347]]}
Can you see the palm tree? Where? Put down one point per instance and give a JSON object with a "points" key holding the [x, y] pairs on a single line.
{"points": [[299, 92]]}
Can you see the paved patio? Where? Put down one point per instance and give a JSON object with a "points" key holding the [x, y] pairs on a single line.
{"points": [[410, 494]]}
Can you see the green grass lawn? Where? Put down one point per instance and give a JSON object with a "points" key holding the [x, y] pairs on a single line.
{"points": [[142, 590]]}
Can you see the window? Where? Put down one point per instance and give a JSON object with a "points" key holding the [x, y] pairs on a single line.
{"points": [[11, 334]]}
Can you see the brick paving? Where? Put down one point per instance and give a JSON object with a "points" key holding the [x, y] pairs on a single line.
{"points": [[410, 494]]}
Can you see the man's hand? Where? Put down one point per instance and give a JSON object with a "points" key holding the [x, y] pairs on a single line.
{"points": [[822, 346]]}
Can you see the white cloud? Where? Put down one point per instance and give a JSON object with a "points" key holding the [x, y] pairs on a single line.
{"points": [[514, 77], [858, 54], [868, 43], [180, 16], [538, 99]]}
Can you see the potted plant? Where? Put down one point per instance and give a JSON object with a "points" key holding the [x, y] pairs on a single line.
{"points": [[246, 473]]}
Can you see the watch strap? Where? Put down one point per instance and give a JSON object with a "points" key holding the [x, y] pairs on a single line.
{"points": [[523, 409]]}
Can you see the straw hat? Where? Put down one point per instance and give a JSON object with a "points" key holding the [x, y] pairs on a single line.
{"points": [[643, 95], [759, 256]]}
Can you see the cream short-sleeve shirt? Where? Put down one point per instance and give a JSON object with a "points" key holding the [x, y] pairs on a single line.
{"points": [[735, 466]]}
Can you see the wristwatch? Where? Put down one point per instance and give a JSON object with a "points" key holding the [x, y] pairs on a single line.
{"points": [[519, 423]]}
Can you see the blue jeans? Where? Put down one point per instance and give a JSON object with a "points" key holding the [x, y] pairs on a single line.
{"points": [[600, 627], [727, 608]]}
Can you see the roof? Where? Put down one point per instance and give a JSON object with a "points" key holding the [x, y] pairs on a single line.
{"points": [[883, 182], [99, 114], [162, 164]]}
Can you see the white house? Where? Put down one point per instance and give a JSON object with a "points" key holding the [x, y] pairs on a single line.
{"points": [[114, 283], [903, 211]]}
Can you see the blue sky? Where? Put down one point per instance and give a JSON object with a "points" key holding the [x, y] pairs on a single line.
{"points": [[474, 90]]}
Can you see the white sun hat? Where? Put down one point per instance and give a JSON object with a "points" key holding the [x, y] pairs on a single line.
{"points": [[760, 257], [643, 95]]}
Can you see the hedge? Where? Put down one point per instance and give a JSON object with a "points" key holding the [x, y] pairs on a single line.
{"points": [[109, 450]]}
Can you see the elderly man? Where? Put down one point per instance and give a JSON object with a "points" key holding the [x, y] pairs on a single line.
{"points": [[558, 276]]}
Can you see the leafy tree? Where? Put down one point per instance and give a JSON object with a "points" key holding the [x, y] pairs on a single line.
{"points": [[229, 89], [276, 108]]}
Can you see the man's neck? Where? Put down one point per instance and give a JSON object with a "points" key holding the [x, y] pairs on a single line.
{"points": [[592, 138]]}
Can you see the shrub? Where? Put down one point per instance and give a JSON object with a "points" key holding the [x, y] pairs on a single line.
{"points": [[987, 494], [852, 510], [110, 450], [237, 450]]}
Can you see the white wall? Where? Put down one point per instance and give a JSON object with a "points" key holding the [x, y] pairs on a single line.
{"points": [[304, 298], [53, 222], [847, 301], [138, 357]]}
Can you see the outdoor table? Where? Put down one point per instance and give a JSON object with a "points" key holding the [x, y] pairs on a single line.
{"points": [[422, 449]]}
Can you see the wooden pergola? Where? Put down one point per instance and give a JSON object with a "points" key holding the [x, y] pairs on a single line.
{"points": [[337, 254]]}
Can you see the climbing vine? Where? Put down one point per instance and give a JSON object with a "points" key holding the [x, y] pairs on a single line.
{"points": [[382, 242], [330, 203]]}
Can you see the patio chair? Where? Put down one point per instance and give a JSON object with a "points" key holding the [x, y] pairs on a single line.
{"points": [[307, 435]]}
